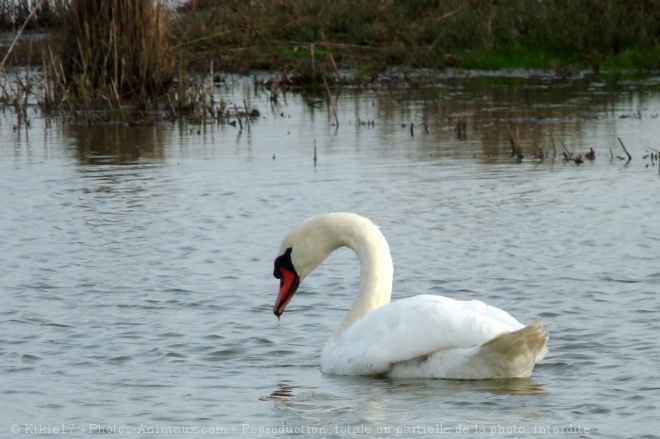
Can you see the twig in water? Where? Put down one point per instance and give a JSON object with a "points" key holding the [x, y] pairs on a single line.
{"points": [[314, 152], [567, 155], [212, 89], [624, 148], [238, 116]]}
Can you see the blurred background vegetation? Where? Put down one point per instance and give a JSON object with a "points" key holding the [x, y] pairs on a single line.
{"points": [[369, 35], [428, 33], [104, 51]]}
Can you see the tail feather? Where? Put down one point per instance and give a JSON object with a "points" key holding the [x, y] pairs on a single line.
{"points": [[514, 354], [508, 355]]}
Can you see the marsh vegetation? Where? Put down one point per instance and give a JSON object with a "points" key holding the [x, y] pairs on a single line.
{"points": [[147, 55]]}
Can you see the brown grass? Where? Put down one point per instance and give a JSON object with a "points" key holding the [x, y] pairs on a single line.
{"points": [[120, 54], [113, 61], [113, 50]]}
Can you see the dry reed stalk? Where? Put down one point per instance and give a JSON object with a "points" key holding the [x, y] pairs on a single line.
{"points": [[27, 87], [47, 92], [567, 154], [624, 148], [554, 147], [123, 54], [332, 104], [238, 117], [332, 59], [311, 51], [56, 92], [18, 34], [212, 88], [516, 148]]}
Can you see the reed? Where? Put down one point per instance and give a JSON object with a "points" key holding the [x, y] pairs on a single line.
{"points": [[113, 51], [109, 54], [112, 60]]}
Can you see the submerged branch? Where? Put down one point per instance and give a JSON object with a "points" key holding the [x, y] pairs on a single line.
{"points": [[624, 148]]}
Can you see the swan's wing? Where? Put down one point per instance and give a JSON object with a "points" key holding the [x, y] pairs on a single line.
{"points": [[410, 328]]}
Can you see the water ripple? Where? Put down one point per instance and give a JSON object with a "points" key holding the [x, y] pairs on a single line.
{"points": [[141, 293]]}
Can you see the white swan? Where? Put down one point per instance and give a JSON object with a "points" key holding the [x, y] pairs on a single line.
{"points": [[424, 336]]}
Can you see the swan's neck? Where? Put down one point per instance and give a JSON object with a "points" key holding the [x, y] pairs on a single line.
{"points": [[376, 272]]}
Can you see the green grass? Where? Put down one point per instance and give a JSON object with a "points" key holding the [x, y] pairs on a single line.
{"points": [[429, 33], [516, 56], [634, 59]]}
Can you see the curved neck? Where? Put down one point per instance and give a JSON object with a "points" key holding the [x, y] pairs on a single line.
{"points": [[376, 269]]}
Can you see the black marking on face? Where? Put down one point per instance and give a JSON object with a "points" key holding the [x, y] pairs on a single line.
{"points": [[283, 261]]}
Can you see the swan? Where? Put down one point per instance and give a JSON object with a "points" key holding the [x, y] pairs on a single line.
{"points": [[425, 336]]}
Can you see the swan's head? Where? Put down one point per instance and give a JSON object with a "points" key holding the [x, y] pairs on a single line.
{"points": [[289, 280], [300, 253]]}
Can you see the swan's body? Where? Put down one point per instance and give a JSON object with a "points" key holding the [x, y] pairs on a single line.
{"points": [[423, 336]]}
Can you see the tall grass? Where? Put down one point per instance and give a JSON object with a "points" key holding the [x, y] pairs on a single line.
{"points": [[114, 50], [111, 60], [427, 33], [111, 53]]}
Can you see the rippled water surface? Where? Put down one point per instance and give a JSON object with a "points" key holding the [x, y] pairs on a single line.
{"points": [[136, 265]]}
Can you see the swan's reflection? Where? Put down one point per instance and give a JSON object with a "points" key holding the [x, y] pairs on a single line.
{"points": [[446, 388], [512, 386], [368, 394]]}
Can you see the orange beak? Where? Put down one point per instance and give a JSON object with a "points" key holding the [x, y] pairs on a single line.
{"points": [[289, 281]]}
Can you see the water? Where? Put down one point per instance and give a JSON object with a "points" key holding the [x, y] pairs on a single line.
{"points": [[136, 263]]}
